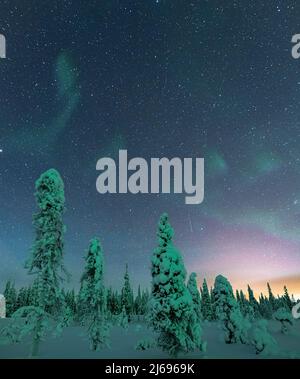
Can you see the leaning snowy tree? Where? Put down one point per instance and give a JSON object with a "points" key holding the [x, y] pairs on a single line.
{"points": [[228, 312], [46, 262], [172, 312], [92, 297]]}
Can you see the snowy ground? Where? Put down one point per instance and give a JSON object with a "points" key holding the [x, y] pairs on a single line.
{"points": [[73, 344]]}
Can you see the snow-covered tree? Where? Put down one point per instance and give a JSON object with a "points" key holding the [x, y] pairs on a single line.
{"points": [[254, 306], [46, 261], [33, 293], [138, 305], [284, 316], [193, 289], [287, 300], [265, 307], [145, 301], [272, 298], [22, 299], [261, 339], [123, 318], [206, 306], [10, 295], [92, 297], [70, 299], [244, 305], [127, 295], [172, 313], [228, 312]]}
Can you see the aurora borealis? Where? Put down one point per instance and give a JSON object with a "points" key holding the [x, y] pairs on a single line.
{"points": [[83, 80]]}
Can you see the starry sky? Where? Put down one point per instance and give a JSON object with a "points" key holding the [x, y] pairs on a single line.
{"points": [[212, 79]]}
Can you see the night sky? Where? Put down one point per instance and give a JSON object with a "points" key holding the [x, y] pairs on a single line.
{"points": [[212, 79]]}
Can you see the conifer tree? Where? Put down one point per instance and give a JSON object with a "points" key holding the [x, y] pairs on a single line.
{"points": [[272, 298], [127, 295], [193, 289], [22, 298], [244, 304], [46, 261], [92, 297], [228, 312], [123, 318], [10, 295], [206, 306], [172, 312], [265, 308], [109, 300], [262, 340], [288, 303], [253, 309], [285, 318], [138, 303], [145, 301], [71, 302]]}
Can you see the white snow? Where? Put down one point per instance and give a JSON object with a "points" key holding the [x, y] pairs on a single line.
{"points": [[74, 344]]}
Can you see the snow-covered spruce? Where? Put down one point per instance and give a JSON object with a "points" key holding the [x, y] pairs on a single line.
{"points": [[172, 312], [127, 296], [285, 318], [261, 339], [193, 289], [123, 319], [228, 312], [46, 262], [92, 299], [206, 306]]}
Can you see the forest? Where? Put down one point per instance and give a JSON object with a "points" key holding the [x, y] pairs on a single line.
{"points": [[175, 308]]}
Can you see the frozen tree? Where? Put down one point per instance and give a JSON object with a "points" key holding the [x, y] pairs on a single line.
{"points": [[92, 298], [272, 298], [287, 300], [253, 303], [10, 295], [46, 261], [123, 318], [138, 305], [244, 304], [127, 295], [261, 339], [145, 301], [22, 299], [33, 293], [265, 308], [193, 289], [206, 306], [228, 312], [285, 318], [70, 299], [172, 313]]}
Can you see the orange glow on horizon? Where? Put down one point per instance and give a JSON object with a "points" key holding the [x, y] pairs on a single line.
{"points": [[291, 282]]}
